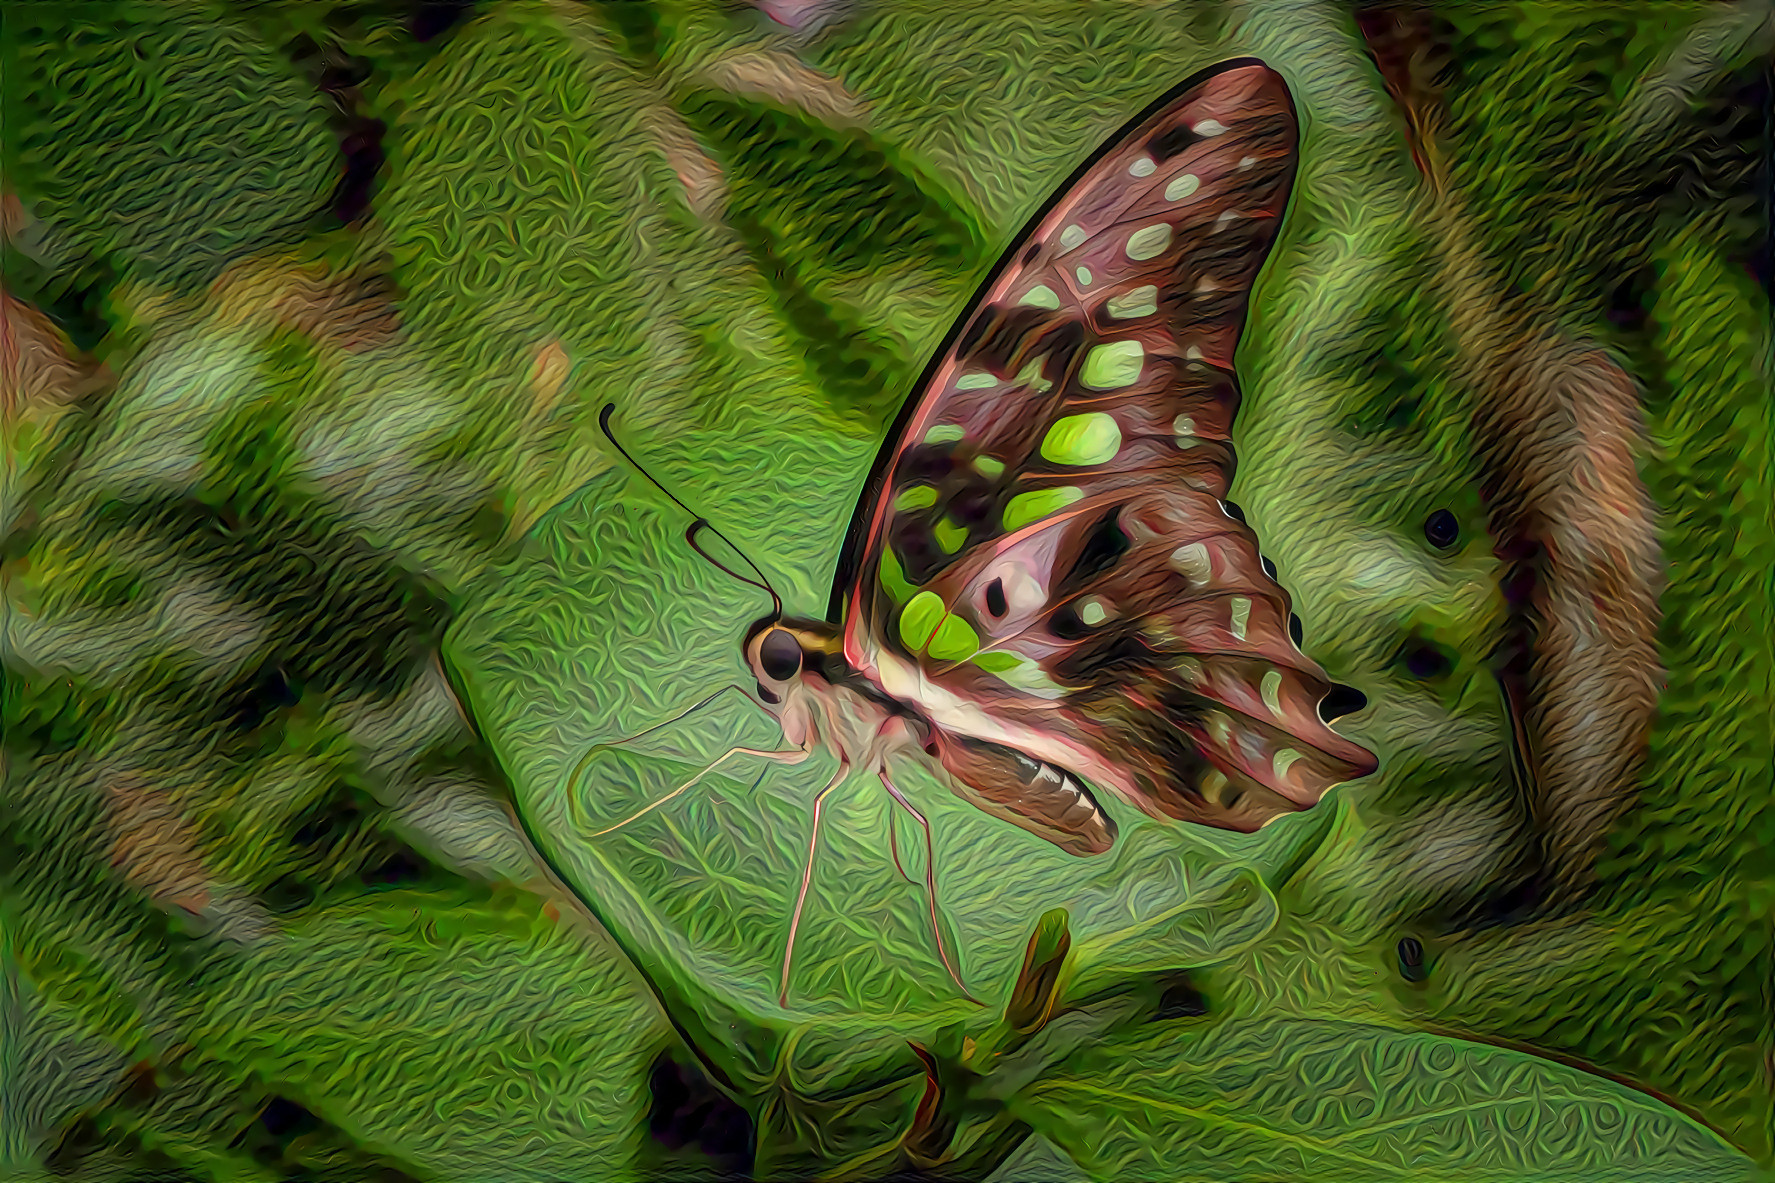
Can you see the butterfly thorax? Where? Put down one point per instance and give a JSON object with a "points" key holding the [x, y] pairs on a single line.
{"points": [[821, 698]]}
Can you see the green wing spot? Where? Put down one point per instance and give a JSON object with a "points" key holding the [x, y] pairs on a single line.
{"points": [[955, 640], [950, 536], [919, 619], [1082, 439], [1041, 296], [917, 497], [1037, 504], [988, 466], [894, 578], [1031, 376], [1141, 301], [1014, 669], [944, 433], [976, 382], [1113, 365]]}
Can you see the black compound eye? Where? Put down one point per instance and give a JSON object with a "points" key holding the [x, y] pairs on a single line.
{"points": [[779, 655]]}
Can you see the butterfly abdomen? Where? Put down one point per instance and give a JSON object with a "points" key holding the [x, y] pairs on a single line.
{"points": [[1040, 798]]}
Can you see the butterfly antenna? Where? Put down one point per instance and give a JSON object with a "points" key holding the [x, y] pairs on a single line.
{"points": [[701, 523]]}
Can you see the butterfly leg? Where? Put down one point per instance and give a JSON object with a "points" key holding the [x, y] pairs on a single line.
{"points": [[807, 875], [894, 845], [930, 879], [690, 710], [791, 756]]}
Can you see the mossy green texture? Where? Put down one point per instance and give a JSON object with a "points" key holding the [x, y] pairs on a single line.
{"points": [[317, 517], [161, 138]]}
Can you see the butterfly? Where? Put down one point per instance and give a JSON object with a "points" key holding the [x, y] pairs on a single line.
{"points": [[1044, 595]]}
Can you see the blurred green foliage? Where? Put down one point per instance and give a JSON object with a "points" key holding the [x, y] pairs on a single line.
{"points": [[310, 607]]}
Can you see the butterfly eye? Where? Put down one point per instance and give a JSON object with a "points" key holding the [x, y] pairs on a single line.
{"points": [[779, 655]]}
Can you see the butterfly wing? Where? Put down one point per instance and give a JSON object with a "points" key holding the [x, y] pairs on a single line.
{"points": [[1044, 563]]}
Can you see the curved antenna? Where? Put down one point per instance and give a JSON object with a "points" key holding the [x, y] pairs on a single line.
{"points": [[701, 523]]}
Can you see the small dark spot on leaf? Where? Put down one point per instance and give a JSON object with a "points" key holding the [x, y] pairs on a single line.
{"points": [[1269, 568], [1424, 660], [1411, 959], [287, 895], [329, 822], [433, 18], [1442, 529], [1295, 632], [1181, 1000], [1234, 512], [403, 866], [282, 1118]]}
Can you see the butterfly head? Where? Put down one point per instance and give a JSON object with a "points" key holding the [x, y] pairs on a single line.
{"points": [[783, 651]]}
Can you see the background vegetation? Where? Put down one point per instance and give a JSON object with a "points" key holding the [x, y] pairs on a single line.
{"points": [[318, 580]]}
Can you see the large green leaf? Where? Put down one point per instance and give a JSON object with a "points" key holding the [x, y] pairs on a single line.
{"points": [[1245, 1102], [467, 1042]]}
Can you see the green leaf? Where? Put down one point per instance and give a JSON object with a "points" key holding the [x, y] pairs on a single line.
{"points": [[162, 134], [460, 1038], [1032, 999], [1347, 1103]]}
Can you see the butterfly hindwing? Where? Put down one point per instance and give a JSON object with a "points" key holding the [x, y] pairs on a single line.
{"points": [[1049, 546]]}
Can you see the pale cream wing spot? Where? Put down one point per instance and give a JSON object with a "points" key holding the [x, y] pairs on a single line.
{"points": [[1239, 617], [1194, 563], [1183, 185]]}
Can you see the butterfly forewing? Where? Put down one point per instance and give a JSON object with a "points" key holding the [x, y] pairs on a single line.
{"points": [[1048, 561]]}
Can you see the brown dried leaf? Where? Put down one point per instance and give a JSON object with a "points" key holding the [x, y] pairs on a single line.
{"points": [[704, 187], [13, 217], [156, 848], [1558, 426], [352, 311], [785, 80], [37, 366]]}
